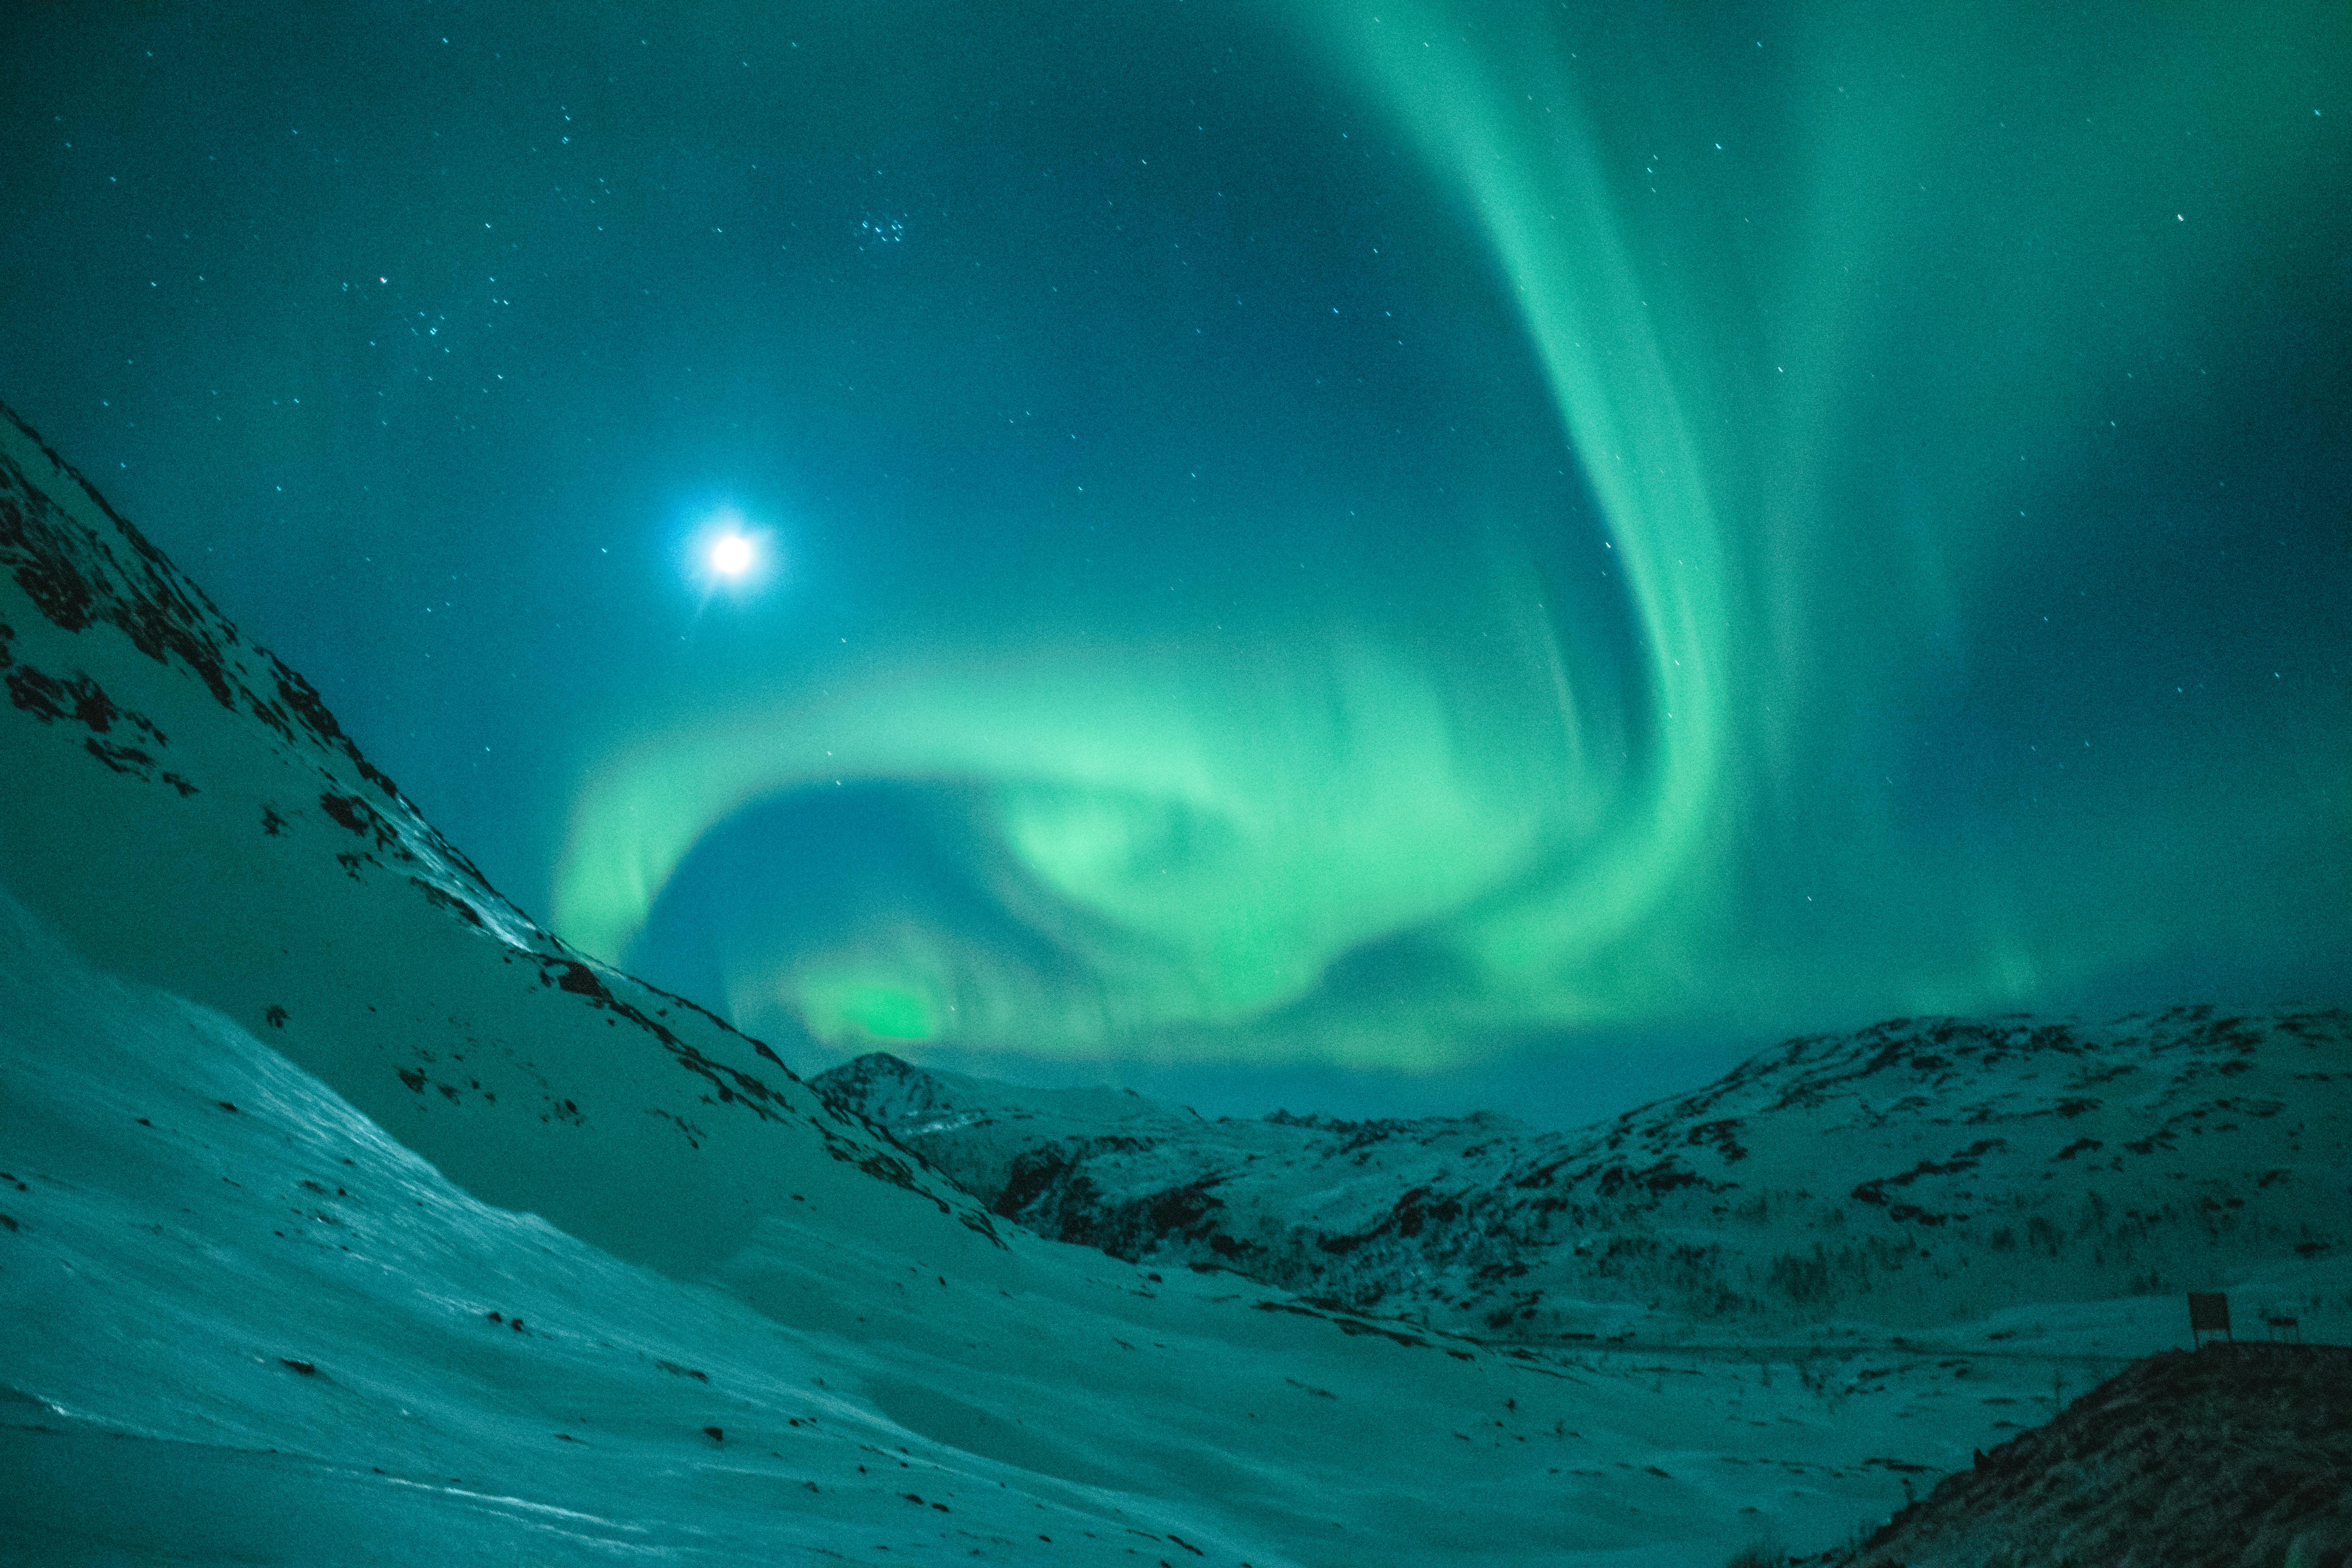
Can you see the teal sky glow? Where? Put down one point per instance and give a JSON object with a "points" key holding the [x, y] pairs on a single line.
{"points": [[1379, 536]]}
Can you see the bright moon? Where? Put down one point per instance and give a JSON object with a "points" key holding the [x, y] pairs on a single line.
{"points": [[731, 555]]}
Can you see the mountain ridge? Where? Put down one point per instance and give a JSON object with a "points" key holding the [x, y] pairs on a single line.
{"points": [[151, 746], [1821, 1178]]}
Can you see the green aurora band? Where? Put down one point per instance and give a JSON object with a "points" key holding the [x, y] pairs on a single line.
{"points": [[1828, 310]]}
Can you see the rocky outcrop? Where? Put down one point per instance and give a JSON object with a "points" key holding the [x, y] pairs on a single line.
{"points": [[2237, 1455]]}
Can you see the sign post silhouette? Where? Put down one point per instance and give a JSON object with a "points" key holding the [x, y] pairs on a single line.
{"points": [[2208, 1314]]}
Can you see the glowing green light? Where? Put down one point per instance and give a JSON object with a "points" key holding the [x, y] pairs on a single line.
{"points": [[841, 1009], [1813, 352]]}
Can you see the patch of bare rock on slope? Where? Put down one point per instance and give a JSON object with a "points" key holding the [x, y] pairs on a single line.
{"points": [[2237, 1455]]}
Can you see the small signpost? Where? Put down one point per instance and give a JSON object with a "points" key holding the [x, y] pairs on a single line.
{"points": [[2208, 1314]]}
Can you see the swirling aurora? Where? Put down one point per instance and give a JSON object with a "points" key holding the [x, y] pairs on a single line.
{"points": [[1285, 537], [1855, 405]]}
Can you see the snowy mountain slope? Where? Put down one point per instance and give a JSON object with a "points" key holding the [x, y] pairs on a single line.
{"points": [[185, 807], [246, 1324], [1919, 1171], [211, 1251]]}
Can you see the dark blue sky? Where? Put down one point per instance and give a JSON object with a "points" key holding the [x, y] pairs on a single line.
{"points": [[1302, 555]]}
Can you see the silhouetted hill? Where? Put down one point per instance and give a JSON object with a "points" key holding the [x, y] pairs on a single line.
{"points": [[2237, 1455]]}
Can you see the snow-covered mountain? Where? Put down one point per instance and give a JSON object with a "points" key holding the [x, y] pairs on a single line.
{"points": [[1922, 1172], [346, 1217], [184, 807]]}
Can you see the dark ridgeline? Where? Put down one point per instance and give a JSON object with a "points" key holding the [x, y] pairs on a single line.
{"points": [[2235, 1456]]}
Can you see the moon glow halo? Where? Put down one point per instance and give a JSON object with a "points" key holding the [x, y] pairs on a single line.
{"points": [[731, 555]]}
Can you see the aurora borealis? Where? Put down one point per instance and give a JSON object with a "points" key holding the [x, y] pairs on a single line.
{"points": [[1375, 535]]}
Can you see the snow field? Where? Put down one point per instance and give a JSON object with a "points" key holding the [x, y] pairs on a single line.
{"points": [[169, 1282]]}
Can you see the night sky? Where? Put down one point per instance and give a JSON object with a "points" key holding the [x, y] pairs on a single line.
{"points": [[1393, 552]]}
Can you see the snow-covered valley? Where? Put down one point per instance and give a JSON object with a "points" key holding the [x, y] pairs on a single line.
{"points": [[349, 1216]]}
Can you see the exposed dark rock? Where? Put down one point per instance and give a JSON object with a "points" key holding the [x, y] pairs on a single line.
{"points": [[2237, 1455]]}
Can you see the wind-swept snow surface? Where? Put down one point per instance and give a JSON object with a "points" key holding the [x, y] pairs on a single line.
{"points": [[246, 1324]]}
